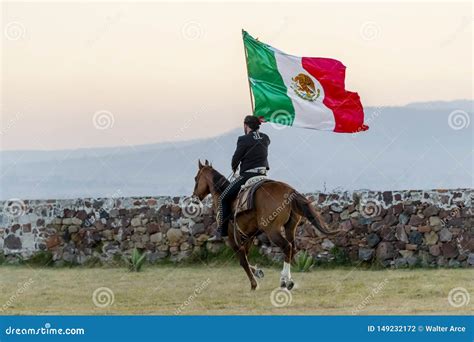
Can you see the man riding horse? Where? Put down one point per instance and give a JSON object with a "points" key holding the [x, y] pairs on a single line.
{"points": [[251, 154], [276, 209]]}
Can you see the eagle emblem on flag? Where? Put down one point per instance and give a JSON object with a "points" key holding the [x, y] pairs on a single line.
{"points": [[304, 87]]}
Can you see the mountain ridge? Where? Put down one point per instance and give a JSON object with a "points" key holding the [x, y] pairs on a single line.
{"points": [[409, 147]]}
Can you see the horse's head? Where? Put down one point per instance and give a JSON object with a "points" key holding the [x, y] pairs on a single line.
{"points": [[202, 180]]}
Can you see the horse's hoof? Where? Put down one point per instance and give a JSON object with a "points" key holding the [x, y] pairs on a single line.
{"points": [[259, 273], [290, 284], [282, 284], [253, 287]]}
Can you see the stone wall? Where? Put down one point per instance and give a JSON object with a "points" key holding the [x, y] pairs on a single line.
{"points": [[392, 228]]}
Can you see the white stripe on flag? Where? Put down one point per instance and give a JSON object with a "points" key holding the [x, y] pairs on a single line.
{"points": [[308, 114]]}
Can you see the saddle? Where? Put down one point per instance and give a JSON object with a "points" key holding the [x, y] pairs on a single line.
{"points": [[245, 197]]}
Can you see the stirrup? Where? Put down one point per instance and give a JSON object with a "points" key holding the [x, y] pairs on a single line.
{"points": [[215, 238]]}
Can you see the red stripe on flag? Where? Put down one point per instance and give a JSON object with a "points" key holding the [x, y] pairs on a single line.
{"points": [[346, 106]]}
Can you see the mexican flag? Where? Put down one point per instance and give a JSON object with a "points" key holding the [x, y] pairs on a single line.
{"points": [[305, 92]]}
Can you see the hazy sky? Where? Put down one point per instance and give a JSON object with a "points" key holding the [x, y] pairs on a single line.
{"points": [[151, 72]]}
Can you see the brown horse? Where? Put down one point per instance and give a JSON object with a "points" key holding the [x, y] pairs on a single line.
{"points": [[277, 205]]}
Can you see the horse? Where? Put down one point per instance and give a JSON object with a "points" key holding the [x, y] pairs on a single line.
{"points": [[276, 205]]}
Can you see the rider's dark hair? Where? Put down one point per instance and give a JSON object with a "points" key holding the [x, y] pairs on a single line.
{"points": [[252, 121]]}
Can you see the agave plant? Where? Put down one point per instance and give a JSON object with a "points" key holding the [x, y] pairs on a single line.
{"points": [[136, 260], [303, 262]]}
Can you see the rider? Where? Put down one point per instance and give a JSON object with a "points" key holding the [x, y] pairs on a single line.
{"points": [[251, 153]]}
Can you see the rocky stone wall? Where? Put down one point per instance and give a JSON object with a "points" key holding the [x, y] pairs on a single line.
{"points": [[392, 228]]}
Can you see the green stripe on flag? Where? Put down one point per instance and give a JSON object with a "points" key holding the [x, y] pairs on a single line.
{"points": [[269, 91]]}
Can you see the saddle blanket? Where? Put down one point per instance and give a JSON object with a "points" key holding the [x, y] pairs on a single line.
{"points": [[245, 198]]}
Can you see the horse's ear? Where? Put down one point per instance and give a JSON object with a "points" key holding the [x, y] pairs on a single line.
{"points": [[199, 164], [207, 163]]}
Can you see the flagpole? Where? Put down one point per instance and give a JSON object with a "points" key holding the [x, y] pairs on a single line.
{"points": [[248, 79]]}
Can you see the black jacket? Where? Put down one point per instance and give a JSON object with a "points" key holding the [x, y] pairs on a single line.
{"points": [[251, 151]]}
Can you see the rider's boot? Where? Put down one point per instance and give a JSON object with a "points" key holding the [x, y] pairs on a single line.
{"points": [[220, 234], [217, 237]]}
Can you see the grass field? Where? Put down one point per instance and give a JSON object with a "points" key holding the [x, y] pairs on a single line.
{"points": [[219, 290]]}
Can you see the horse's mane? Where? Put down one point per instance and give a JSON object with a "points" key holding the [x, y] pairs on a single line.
{"points": [[220, 182]]}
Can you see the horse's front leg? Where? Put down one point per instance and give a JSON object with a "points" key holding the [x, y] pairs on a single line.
{"points": [[242, 252], [257, 272], [245, 265]]}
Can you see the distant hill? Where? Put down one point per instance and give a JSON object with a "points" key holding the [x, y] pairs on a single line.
{"points": [[405, 148]]}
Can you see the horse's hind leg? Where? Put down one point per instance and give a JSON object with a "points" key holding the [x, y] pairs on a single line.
{"points": [[287, 249], [290, 230]]}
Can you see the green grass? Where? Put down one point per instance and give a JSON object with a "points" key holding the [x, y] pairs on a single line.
{"points": [[136, 261], [303, 262], [219, 288]]}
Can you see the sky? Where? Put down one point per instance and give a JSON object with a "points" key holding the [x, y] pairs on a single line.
{"points": [[93, 74]]}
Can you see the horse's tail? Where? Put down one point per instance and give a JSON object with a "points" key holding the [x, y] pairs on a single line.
{"points": [[303, 207]]}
